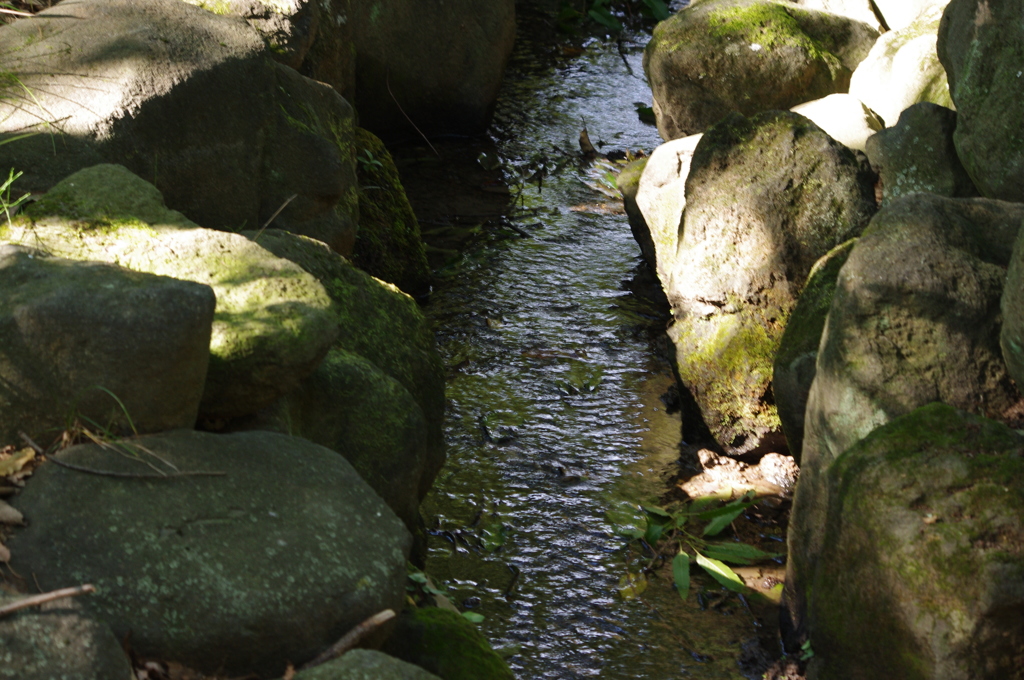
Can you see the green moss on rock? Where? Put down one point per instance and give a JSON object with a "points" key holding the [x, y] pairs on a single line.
{"points": [[446, 644], [771, 26]]}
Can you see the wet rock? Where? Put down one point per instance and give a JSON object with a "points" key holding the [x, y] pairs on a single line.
{"points": [[845, 118], [1011, 336], [903, 69], [921, 567], [765, 199], [774, 475], [794, 367], [445, 644], [748, 56], [236, 574], [914, 319], [224, 132], [628, 184], [365, 664], [272, 323], [57, 640], [917, 154], [72, 334], [381, 324], [978, 46]]}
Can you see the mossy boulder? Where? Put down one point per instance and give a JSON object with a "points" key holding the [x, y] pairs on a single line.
{"points": [[860, 10], [794, 364], [980, 47], [227, 135], [917, 154], [242, 573], [365, 664], [765, 199], [922, 564], [115, 348], [446, 644], [903, 69], [719, 56], [58, 640], [379, 323], [914, 319], [273, 322], [388, 245]]}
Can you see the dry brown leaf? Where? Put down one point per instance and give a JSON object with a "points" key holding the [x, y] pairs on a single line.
{"points": [[9, 515], [5, 554], [11, 465], [289, 672]]}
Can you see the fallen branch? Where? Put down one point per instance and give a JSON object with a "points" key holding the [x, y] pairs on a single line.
{"points": [[122, 475], [35, 600], [351, 638]]}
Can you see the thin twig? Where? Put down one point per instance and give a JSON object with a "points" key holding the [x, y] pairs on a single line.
{"points": [[35, 447], [34, 600], [351, 638], [387, 81], [136, 475], [274, 216]]}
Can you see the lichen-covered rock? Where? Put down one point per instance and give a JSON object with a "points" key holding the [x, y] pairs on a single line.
{"points": [[914, 319], [204, 113], [388, 245], [917, 154], [845, 118], [903, 69], [273, 322], [793, 368], [271, 562], [922, 565], [979, 45], [381, 324], [446, 644], [1011, 336], [765, 199], [121, 349], [628, 184], [365, 664], [56, 641], [719, 56]]}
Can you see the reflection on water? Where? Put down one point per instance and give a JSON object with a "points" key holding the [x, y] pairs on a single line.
{"points": [[554, 417]]}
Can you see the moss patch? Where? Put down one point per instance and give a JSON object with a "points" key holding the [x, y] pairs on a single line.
{"points": [[447, 645]]}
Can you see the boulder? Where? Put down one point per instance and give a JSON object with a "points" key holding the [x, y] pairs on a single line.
{"points": [[922, 565], [719, 56], [914, 319], [903, 69], [118, 349], [628, 184], [365, 664], [268, 563], [446, 644], [272, 323], [57, 640], [765, 199], [1011, 336], [917, 154], [899, 14], [845, 118], [978, 45], [859, 10], [225, 133], [381, 324], [794, 365], [438, 64], [388, 245]]}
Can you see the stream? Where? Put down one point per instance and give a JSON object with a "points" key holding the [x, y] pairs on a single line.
{"points": [[556, 427]]}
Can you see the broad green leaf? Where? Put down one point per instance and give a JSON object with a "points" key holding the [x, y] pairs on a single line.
{"points": [[722, 573], [681, 521], [716, 525], [659, 10], [473, 617], [418, 577], [651, 510], [681, 574], [631, 585], [605, 18], [653, 533], [737, 553]]}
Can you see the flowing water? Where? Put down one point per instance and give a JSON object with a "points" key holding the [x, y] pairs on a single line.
{"points": [[555, 428]]}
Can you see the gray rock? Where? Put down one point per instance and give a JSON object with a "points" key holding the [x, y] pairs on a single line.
{"points": [[1011, 336], [765, 199], [366, 664], [899, 14], [855, 9], [225, 133], [917, 154], [914, 319], [237, 574], [794, 366], [979, 47], [921, 573], [628, 184], [903, 69], [74, 333], [719, 56], [272, 324], [844, 117]]}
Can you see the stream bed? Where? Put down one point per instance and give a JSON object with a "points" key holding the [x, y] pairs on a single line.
{"points": [[556, 427]]}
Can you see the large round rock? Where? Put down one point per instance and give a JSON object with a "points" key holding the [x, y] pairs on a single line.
{"points": [[240, 573]]}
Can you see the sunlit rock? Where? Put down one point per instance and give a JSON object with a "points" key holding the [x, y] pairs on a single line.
{"points": [[845, 118]]}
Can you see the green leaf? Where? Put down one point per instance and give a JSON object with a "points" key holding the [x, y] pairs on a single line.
{"points": [[743, 502], [659, 10], [631, 585], [681, 574], [737, 553], [473, 617], [653, 533], [418, 577], [719, 523], [605, 18], [657, 512], [723, 574]]}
